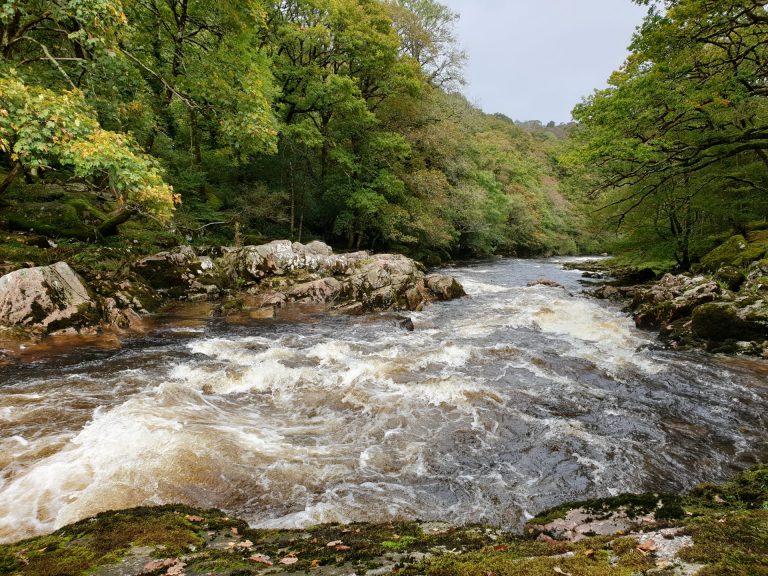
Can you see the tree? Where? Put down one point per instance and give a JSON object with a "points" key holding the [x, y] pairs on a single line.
{"points": [[40, 129], [687, 109], [426, 30]]}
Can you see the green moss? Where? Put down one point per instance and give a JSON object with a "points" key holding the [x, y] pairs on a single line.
{"points": [[734, 543], [665, 506], [401, 544], [737, 251]]}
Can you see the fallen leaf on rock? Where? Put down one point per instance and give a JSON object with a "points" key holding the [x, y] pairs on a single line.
{"points": [[558, 570], [334, 543], [261, 559], [157, 565], [177, 569], [21, 556], [647, 546], [547, 539], [194, 518], [174, 565], [288, 560]]}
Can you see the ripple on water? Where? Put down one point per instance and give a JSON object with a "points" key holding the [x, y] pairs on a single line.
{"points": [[494, 408]]}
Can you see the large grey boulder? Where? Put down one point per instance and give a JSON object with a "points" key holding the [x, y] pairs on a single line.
{"points": [[46, 298]]}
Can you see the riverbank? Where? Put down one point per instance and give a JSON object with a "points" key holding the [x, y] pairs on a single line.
{"points": [[711, 530], [245, 282], [721, 306]]}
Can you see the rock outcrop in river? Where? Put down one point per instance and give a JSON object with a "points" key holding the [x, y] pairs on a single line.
{"points": [[723, 307], [264, 278], [45, 297]]}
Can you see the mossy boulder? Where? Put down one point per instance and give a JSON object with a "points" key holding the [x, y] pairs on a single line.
{"points": [[731, 276], [737, 251], [721, 321], [46, 298]]}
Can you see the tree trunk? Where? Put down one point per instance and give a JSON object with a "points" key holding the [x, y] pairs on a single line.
{"points": [[10, 177], [120, 216]]}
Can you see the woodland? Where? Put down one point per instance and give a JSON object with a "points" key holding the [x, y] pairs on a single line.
{"points": [[145, 124]]}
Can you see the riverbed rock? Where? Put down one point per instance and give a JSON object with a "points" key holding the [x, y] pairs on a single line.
{"points": [[311, 273], [545, 282], [46, 298], [671, 298], [174, 269], [444, 287]]}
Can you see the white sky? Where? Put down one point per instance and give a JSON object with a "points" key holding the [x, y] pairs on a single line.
{"points": [[536, 59]]}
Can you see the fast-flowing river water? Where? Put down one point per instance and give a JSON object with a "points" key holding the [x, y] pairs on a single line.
{"points": [[495, 407]]}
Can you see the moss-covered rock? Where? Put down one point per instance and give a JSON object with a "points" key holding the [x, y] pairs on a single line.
{"points": [[720, 321], [737, 251], [716, 529]]}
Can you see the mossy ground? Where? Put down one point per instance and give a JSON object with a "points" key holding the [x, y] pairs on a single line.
{"points": [[728, 525]]}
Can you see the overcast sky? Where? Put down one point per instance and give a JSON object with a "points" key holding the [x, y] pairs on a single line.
{"points": [[535, 59]]}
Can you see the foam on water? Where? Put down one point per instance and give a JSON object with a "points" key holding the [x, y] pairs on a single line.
{"points": [[496, 406]]}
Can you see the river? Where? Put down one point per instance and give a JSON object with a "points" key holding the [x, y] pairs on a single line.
{"points": [[495, 407]]}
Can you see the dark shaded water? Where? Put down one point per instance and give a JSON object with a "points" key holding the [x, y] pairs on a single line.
{"points": [[494, 408]]}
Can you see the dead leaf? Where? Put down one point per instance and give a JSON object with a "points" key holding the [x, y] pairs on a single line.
{"points": [[559, 570], [647, 546], [194, 518], [21, 556], [157, 565], [589, 553], [288, 560], [501, 548], [314, 564], [395, 536], [261, 559], [334, 543], [234, 530], [343, 547], [244, 544], [547, 539], [177, 569]]}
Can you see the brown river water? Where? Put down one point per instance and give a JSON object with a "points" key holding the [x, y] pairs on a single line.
{"points": [[496, 407]]}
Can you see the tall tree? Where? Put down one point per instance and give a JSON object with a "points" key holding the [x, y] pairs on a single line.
{"points": [[688, 108]]}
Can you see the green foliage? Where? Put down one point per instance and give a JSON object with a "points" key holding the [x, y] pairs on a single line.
{"points": [[40, 128], [302, 118], [677, 143]]}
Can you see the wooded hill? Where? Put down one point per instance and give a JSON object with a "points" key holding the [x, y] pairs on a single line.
{"points": [[159, 122]]}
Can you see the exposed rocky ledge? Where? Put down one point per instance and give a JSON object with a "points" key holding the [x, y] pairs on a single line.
{"points": [[54, 299], [725, 311], [709, 530]]}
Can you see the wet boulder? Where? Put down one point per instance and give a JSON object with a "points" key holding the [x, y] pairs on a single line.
{"points": [[720, 321], [46, 298], [673, 298], [545, 282], [324, 291], [444, 287], [169, 269]]}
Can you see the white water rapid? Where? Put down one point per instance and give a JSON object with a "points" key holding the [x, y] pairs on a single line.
{"points": [[495, 407]]}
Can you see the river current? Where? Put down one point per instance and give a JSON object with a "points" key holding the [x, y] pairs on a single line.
{"points": [[495, 407]]}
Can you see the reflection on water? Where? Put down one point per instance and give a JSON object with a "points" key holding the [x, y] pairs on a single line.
{"points": [[495, 407]]}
